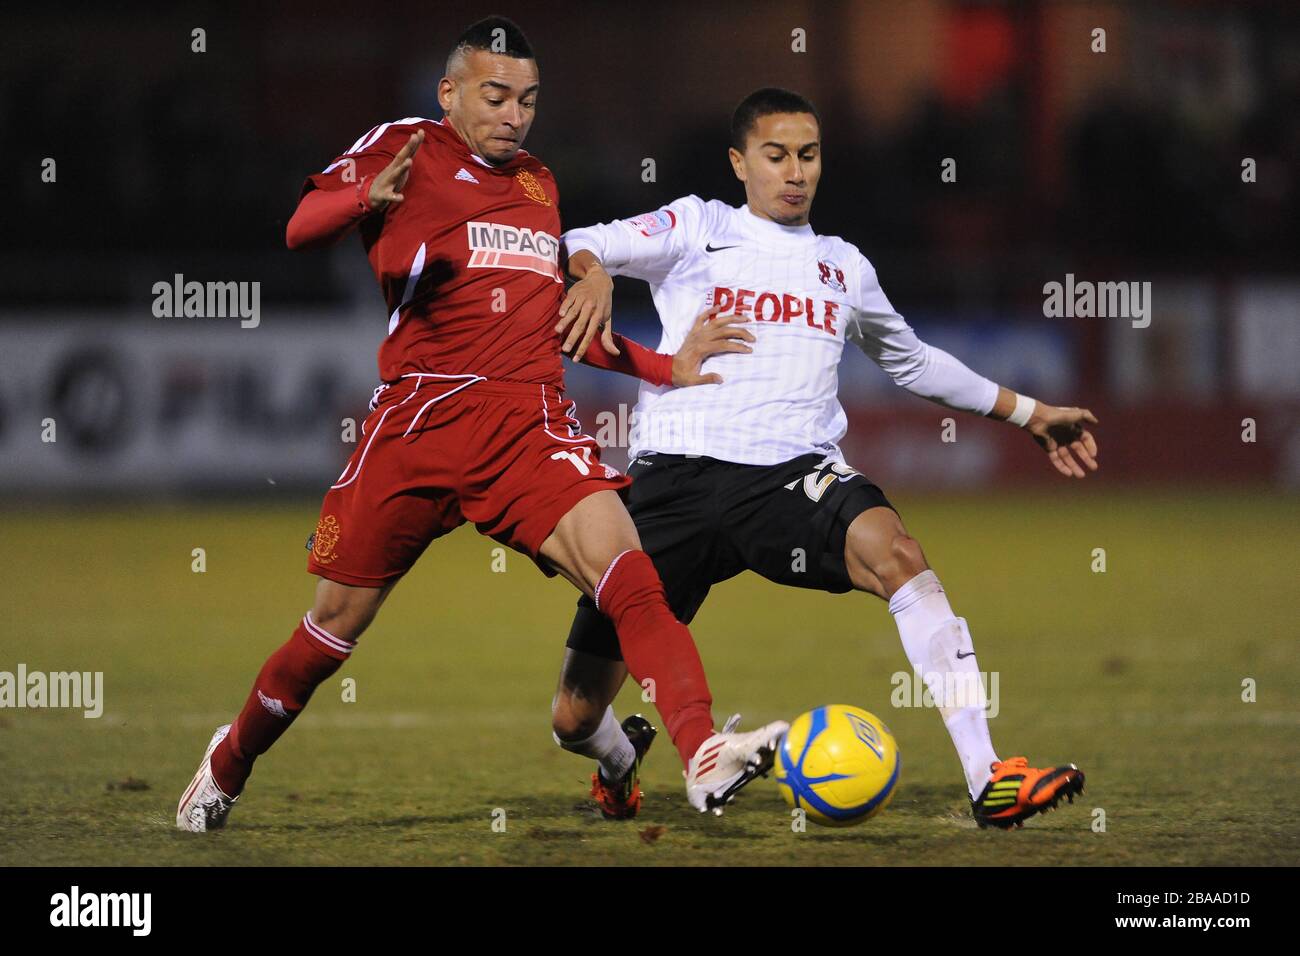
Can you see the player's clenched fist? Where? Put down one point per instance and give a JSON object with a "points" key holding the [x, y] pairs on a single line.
{"points": [[1060, 433], [387, 186], [710, 335]]}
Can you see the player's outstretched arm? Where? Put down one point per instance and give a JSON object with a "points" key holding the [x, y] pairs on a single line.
{"points": [[930, 372], [1059, 431], [711, 334], [324, 216], [934, 374]]}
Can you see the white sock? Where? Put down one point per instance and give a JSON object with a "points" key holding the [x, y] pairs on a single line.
{"points": [[608, 746], [932, 636]]}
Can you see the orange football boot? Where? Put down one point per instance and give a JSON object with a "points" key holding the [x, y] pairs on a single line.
{"points": [[622, 800], [1016, 791]]}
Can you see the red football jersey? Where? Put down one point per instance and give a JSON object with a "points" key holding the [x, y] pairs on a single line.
{"points": [[469, 261]]}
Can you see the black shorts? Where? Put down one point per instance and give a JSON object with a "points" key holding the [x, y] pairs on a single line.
{"points": [[703, 521]]}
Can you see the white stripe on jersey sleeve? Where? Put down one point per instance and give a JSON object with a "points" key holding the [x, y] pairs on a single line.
{"points": [[361, 139], [368, 139]]}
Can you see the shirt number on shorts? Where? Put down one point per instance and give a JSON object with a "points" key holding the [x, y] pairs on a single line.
{"points": [[815, 483], [581, 462]]}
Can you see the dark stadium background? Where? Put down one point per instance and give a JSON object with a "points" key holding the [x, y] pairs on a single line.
{"points": [[1115, 166]]}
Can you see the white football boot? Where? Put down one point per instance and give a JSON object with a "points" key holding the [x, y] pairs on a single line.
{"points": [[727, 761], [204, 806]]}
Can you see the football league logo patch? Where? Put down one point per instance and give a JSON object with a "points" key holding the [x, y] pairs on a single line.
{"points": [[652, 223], [830, 274]]}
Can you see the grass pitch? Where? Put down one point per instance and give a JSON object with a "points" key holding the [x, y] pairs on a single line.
{"points": [[1136, 674]]}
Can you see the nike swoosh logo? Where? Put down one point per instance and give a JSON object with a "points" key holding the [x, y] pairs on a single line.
{"points": [[960, 655], [712, 248]]}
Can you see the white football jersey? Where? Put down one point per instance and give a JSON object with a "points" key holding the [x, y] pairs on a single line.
{"points": [[804, 295]]}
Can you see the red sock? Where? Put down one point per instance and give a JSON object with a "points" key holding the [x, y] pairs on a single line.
{"points": [[658, 647], [281, 691]]}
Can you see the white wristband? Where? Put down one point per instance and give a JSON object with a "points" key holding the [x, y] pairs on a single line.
{"points": [[1024, 408]]}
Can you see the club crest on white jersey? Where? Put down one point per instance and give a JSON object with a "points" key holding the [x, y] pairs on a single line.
{"points": [[831, 275]]}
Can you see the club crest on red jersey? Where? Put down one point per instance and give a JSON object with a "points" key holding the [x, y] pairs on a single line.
{"points": [[532, 188], [324, 539], [831, 275]]}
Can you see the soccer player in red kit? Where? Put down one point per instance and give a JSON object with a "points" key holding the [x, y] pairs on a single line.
{"points": [[461, 226]]}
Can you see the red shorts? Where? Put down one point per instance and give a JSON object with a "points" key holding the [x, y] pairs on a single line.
{"points": [[439, 450]]}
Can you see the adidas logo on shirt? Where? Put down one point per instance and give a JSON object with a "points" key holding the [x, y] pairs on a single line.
{"points": [[466, 175]]}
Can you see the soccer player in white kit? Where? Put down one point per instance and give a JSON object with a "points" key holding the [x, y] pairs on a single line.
{"points": [[737, 474]]}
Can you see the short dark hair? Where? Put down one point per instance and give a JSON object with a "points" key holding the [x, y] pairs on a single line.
{"points": [[484, 35], [764, 102]]}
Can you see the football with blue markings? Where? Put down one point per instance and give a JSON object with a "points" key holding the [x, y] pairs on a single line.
{"points": [[839, 764]]}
